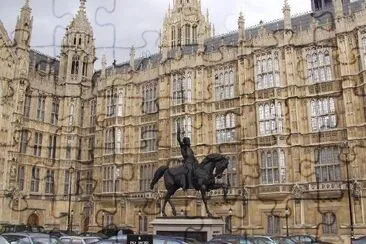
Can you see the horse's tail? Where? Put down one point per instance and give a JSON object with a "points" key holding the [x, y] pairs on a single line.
{"points": [[158, 174]]}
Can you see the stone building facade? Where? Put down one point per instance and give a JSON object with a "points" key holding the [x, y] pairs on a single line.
{"points": [[284, 100]]}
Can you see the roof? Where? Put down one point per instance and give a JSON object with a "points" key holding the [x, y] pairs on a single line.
{"points": [[39, 62], [299, 22]]}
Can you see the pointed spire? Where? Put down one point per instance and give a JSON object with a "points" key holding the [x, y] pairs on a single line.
{"points": [[287, 15], [26, 6], [207, 15], [213, 30], [241, 26], [82, 4], [338, 7], [132, 57], [104, 65]]}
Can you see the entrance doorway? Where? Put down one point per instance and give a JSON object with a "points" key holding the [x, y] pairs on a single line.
{"points": [[33, 220]]}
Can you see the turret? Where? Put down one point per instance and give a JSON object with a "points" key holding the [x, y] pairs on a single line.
{"points": [[78, 49], [184, 25], [287, 15], [241, 27], [338, 8], [132, 57], [23, 29]]}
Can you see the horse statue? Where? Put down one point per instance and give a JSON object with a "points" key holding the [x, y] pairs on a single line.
{"points": [[203, 179]]}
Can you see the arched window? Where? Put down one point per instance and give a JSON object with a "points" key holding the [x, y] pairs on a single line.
{"points": [[75, 65], [194, 34], [118, 140], [179, 39], [173, 36], [261, 112], [188, 34], [120, 103], [85, 66], [269, 65]]}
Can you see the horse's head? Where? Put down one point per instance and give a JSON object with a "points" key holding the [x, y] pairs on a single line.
{"points": [[221, 165]]}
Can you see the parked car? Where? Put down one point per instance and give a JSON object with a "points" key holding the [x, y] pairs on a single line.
{"points": [[359, 240], [30, 238], [3, 240], [261, 240], [59, 233], [283, 240], [236, 239], [7, 228], [114, 231], [120, 239], [79, 239], [169, 240], [94, 234]]}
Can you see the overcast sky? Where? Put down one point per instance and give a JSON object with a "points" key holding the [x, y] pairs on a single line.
{"points": [[134, 21]]}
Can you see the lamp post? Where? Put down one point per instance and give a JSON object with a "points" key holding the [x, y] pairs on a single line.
{"points": [[69, 228], [287, 213], [230, 224], [71, 218], [349, 191], [139, 230], [103, 220]]}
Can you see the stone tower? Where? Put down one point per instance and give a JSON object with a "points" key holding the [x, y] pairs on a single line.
{"points": [[185, 25], [77, 50], [76, 71], [22, 38]]}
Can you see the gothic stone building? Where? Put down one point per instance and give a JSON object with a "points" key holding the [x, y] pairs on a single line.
{"points": [[284, 100]]}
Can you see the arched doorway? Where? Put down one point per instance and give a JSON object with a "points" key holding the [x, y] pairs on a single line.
{"points": [[33, 220]]}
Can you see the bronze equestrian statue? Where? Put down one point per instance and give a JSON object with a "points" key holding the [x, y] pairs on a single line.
{"points": [[189, 160], [192, 175]]}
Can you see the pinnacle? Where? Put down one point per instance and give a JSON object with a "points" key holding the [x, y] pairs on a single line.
{"points": [[82, 4]]}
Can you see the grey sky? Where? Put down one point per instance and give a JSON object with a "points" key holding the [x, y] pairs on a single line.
{"points": [[133, 21]]}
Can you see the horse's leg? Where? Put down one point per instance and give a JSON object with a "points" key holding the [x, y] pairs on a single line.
{"points": [[203, 194], [174, 211], [166, 200]]}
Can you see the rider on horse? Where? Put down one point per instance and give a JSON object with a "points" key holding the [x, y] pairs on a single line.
{"points": [[189, 160]]}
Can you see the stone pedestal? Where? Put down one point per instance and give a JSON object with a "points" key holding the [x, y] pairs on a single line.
{"points": [[200, 228]]}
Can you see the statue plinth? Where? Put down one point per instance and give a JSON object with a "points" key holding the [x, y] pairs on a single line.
{"points": [[200, 228]]}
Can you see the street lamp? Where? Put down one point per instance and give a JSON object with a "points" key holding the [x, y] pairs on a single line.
{"points": [[102, 219], [349, 191], [71, 171], [71, 218], [139, 222], [287, 213], [229, 222]]}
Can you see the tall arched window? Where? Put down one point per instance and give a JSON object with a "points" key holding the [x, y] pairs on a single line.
{"points": [[118, 140], [323, 114], [226, 128], [188, 34], [273, 168], [194, 34], [270, 118], [173, 36], [319, 67], [85, 66], [75, 65], [267, 71], [179, 39]]}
